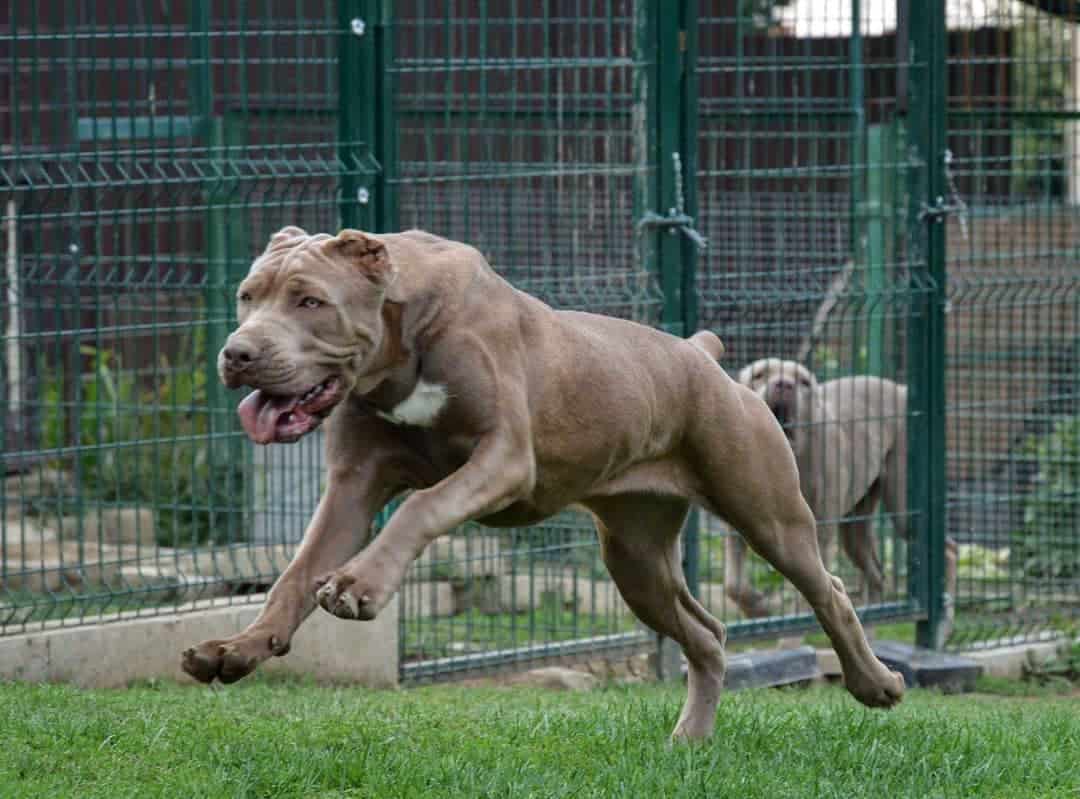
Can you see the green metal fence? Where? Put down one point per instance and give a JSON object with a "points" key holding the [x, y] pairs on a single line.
{"points": [[1013, 330], [887, 194]]}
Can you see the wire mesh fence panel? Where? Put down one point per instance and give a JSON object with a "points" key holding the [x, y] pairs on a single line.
{"points": [[516, 132], [148, 153], [803, 180], [1013, 374]]}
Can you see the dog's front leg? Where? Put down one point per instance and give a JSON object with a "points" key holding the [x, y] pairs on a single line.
{"points": [[340, 527], [500, 471]]}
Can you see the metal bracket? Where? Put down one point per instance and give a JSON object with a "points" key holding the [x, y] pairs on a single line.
{"points": [[674, 222], [940, 210]]}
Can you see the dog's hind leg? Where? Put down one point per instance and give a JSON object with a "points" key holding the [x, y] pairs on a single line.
{"points": [[639, 540], [737, 584], [748, 476], [894, 498], [857, 539]]}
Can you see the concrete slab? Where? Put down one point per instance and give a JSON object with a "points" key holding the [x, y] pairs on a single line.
{"points": [[928, 669], [771, 668], [1009, 661], [114, 654]]}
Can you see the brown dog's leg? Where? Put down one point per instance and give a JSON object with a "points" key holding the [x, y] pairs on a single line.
{"points": [[894, 498], [857, 539], [500, 470], [355, 493], [737, 582], [750, 478], [341, 526], [639, 540]]}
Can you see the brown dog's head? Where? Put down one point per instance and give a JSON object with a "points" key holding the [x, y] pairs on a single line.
{"points": [[310, 317], [788, 388]]}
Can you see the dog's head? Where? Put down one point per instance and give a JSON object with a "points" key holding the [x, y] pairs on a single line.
{"points": [[788, 388], [310, 318]]}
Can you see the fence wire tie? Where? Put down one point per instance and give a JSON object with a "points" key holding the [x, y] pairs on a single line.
{"points": [[953, 205], [677, 220], [955, 200]]}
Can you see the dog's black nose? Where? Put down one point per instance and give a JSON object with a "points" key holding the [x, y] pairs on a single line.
{"points": [[238, 355]]}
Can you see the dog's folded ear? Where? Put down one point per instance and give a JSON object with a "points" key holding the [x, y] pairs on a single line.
{"points": [[365, 253], [285, 235]]}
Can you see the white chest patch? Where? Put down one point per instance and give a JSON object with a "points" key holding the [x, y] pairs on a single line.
{"points": [[421, 408]]}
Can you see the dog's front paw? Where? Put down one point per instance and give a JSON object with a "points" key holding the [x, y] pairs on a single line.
{"points": [[233, 658], [348, 598]]}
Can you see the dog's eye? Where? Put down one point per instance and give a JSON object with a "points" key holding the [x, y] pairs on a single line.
{"points": [[244, 296], [311, 302]]}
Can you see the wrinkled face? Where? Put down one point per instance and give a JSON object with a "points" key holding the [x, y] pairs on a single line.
{"points": [[309, 316], [786, 386]]}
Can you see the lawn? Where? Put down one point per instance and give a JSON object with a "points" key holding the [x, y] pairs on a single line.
{"points": [[288, 739]]}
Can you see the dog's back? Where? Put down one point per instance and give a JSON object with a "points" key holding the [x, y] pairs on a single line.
{"points": [[870, 411]]}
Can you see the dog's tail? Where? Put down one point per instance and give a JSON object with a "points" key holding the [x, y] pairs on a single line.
{"points": [[709, 343]]}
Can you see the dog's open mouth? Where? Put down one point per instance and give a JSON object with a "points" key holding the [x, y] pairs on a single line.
{"points": [[269, 418], [783, 413]]}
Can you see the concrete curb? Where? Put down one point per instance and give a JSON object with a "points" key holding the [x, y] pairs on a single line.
{"points": [[771, 668], [111, 655], [1004, 661], [1009, 661]]}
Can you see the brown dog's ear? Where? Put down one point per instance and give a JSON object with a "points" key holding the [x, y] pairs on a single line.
{"points": [[367, 255]]}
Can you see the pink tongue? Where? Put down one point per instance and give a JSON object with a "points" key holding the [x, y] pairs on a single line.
{"points": [[259, 413]]}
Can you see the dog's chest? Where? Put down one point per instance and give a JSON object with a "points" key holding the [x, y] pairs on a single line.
{"points": [[421, 408]]}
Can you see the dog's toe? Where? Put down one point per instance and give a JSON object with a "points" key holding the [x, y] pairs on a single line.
{"points": [[202, 662], [882, 693], [231, 659], [340, 596]]}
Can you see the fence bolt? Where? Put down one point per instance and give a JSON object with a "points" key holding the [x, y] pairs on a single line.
{"points": [[363, 195], [358, 26]]}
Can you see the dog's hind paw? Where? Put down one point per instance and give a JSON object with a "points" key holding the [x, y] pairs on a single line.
{"points": [[878, 691]]}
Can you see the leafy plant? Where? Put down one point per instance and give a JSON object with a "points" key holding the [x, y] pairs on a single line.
{"points": [[149, 445], [1040, 77], [1048, 544], [1064, 668]]}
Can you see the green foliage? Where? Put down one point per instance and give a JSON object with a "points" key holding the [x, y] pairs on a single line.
{"points": [[1040, 75], [1062, 670], [828, 365], [1048, 544], [148, 445]]}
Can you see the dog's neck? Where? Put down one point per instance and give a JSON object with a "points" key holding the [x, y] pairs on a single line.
{"points": [[391, 362]]}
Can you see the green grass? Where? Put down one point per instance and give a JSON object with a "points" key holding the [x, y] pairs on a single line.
{"points": [[287, 739]]}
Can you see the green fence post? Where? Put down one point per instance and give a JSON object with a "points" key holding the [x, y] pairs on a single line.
{"points": [[926, 345], [357, 109], [665, 94], [688, 47], [386, 135], [877, 217]]}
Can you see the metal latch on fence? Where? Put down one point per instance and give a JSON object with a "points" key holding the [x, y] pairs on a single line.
{"points": [[677, 220], [673, 222], [939, 210], [943, 207]]}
